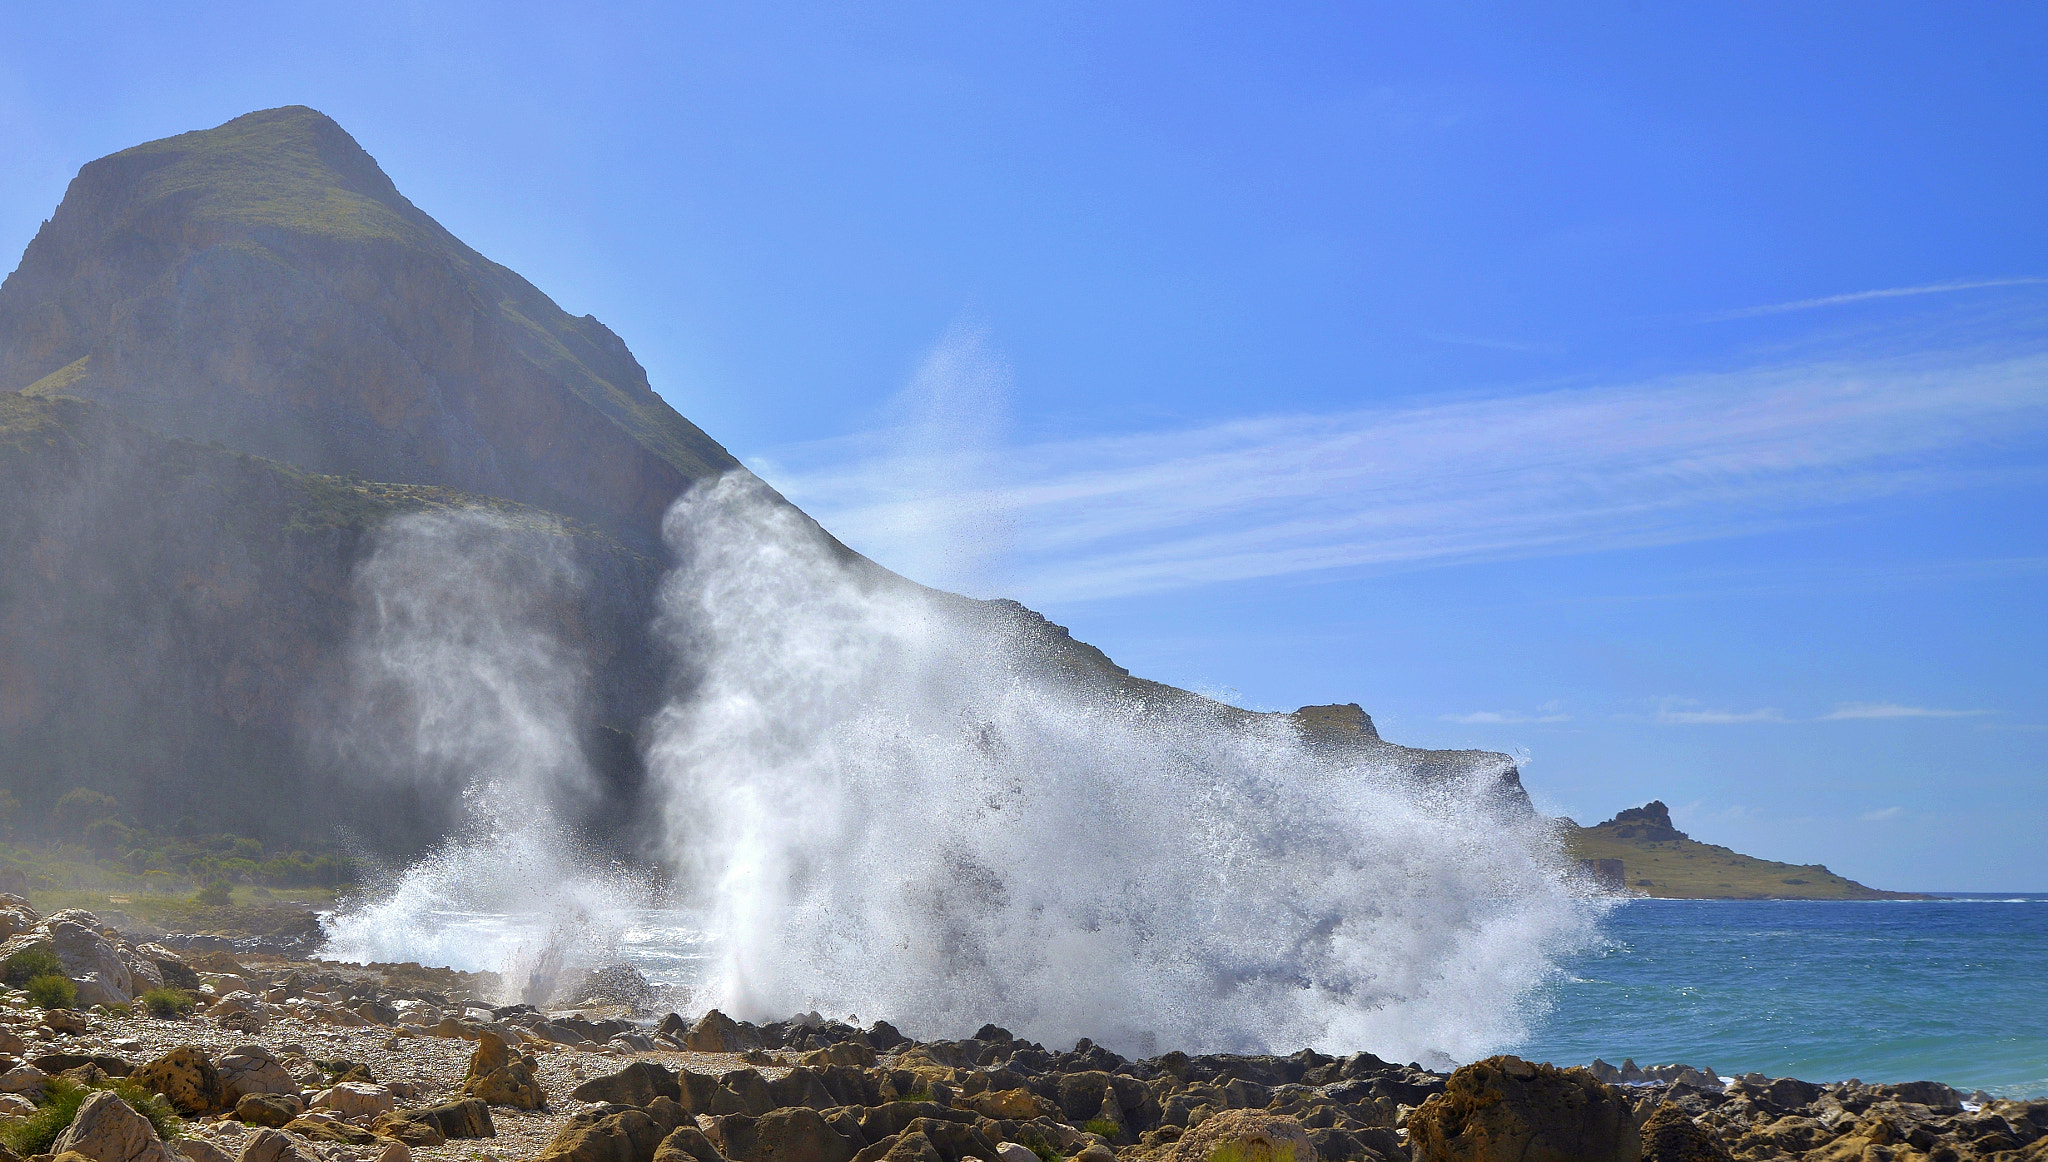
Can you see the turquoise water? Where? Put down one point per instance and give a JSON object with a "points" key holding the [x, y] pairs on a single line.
{"points": [[1952, 990]]}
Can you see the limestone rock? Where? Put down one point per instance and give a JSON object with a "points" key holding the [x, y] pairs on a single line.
{"points": [[187, 1079], [107, 1130], [628, 1136], [326, 1129], [468, 1118], [90, 959], [198, 1150], [1244, 1136], [635, 1085], [499, 1078], [408, 1127], [794, 1134], [1017, 1105], [354, 1099], [715, 1032], [273, 1146], [253, 1069], [1671, 1135], [1505, 1108], [687, 1144], [267, 1109]]}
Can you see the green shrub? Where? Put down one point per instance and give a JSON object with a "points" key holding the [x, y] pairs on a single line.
{"points": [[163, 1117], [52, 992], [35, 1133], [216, 894], [62, 1096], [30, 963], [166, 1002], [1102, 1126]]}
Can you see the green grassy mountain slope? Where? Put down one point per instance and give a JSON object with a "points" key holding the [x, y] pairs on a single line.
{"points": [[264, 285], [1639, 849]]}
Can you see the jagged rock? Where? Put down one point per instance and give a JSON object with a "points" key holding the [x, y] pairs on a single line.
{"points": [[1504, 1108], [107, 1130], [268, 1109], [1014, 1152], [500, 1079], [1671, 1135], [715, 1032], [187, 1079], [688, 1144], [847, 1053]]}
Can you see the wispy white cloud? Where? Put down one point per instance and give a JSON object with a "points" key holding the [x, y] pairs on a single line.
{"points": [[1882, 814], [1896, 292], [1674, 716], [1852, 710], [1548, 712], [1435, 482]]}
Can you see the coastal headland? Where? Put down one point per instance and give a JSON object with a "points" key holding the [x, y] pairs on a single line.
{"points": [[1640, 852]]}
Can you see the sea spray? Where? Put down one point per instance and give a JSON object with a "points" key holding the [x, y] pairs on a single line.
{"points": [[886, 802], [466, 683]]}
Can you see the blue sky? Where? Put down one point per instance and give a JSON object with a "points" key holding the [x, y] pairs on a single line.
{"points": [[1658, 392]]}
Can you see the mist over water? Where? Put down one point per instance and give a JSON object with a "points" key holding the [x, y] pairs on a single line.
{"points": [[466, 683], [885, 804]]}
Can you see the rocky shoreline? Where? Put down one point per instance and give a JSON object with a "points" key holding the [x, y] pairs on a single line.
{"points": [[296, 1060]]}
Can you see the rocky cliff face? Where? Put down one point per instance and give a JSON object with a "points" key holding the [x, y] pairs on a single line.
{"points": [[265, 286], [173, 619], [229, 357]]}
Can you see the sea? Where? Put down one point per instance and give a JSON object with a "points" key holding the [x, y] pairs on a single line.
{"points": [[1953, 989]]}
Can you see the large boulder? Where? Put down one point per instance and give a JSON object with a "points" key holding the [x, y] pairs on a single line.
{"points": [[253, 1069], [627, 1136], [635, 1085], [106, 1129], [795, 1134], [275, 1110], [1245, 1136], [1505, 1108], [498, 1078], [90, 959], [186, 1079]]}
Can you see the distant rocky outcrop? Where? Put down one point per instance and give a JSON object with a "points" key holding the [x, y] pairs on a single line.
{"points": [[1640, 851]]}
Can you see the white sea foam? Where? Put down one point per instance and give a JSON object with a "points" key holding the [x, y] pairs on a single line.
{"points": [[462, 684], [885, 805]]}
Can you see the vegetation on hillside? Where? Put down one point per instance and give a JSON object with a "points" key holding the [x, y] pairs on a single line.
{"points": [[1658, 860]]}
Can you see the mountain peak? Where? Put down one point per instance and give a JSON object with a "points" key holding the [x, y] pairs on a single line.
{"points": [[264, 285]]}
